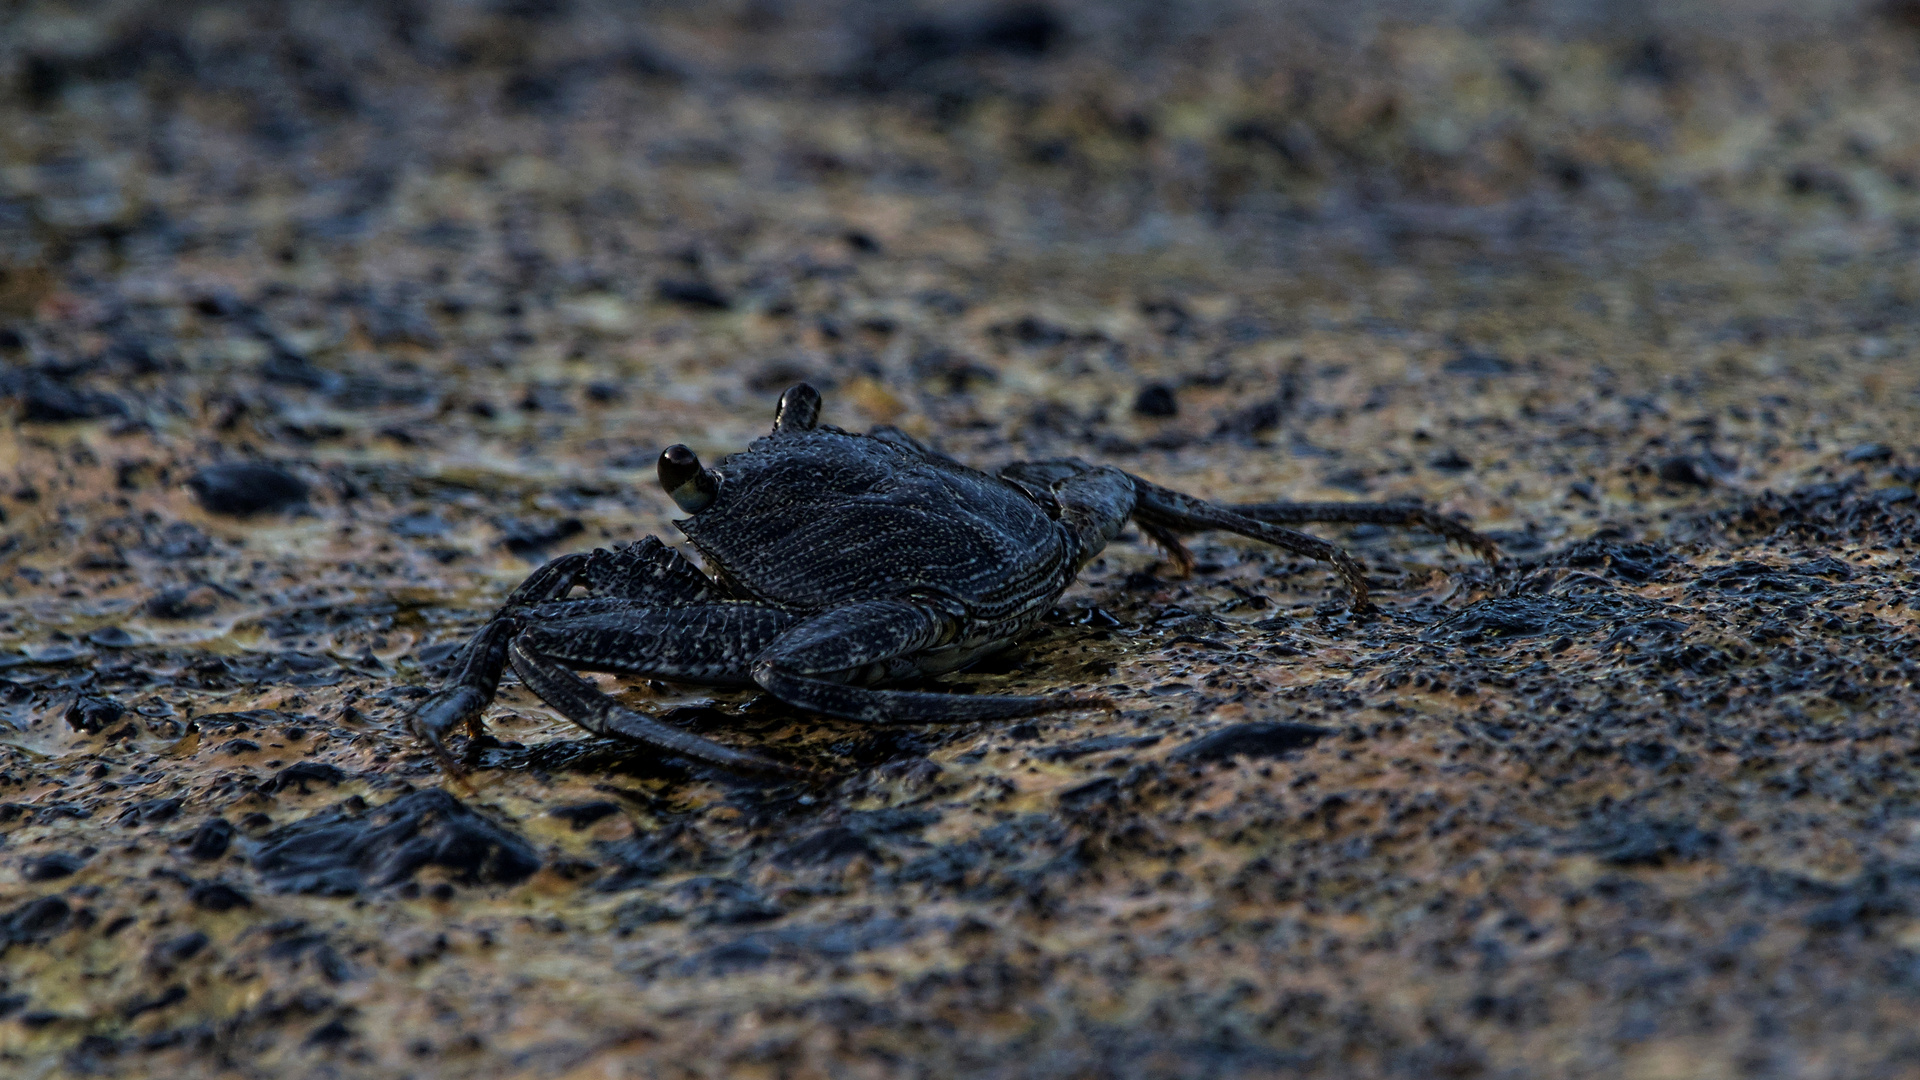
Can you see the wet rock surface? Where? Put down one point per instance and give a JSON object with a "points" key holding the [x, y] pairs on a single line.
{"points": [[318, 334]]}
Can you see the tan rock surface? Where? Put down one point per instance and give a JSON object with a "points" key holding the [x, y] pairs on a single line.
{"points": [[1637, 294]]}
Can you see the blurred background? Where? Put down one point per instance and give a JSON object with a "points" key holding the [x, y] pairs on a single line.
{"points": [[445, 176], [332, 222]]}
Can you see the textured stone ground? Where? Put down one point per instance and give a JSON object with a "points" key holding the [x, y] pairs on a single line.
{"points": [[1636, 293]]}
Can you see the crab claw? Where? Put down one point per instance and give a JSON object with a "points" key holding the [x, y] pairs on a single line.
{"points": [[691, 484], [442, 713]]}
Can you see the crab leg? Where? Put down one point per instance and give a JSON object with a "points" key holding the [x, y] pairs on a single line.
{"points": [[709, 644], [648, 572], [809, 667], [712, 644], [1292, 513], [477, 670], [583, 703], [1163, 512]]}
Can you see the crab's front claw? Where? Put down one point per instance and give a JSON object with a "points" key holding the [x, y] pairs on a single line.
{"points": [[450, 708]]}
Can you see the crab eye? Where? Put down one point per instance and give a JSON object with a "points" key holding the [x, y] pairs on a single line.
{"points": [[799, 409], [691, 485]]}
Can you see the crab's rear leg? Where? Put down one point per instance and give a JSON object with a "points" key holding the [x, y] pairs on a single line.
{"points": [[818, 664], [1410, 516], [1163, 512]]}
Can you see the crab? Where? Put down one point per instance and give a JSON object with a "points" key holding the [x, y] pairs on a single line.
{"points": [[842, 563]]}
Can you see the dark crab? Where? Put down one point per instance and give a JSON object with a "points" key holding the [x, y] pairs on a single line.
{"points": [[841, 563]]}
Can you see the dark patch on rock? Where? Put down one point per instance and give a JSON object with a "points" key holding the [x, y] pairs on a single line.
{"points": [[926, 53], [638, 860], [635, 914], [152, 811], [775, 376], [297, 946], [1254, 420], [1552, 602], [717, 901], [241, 489], [1092, 789], [1098, 745], [531, 539], [1025, 855], [740, 955], [1648, 753], [1358, 481], [1752, 576], [1634, 562], [46, 401], [1647, 842], [301, 773], [1878, 891], [244, 720], [829, 845], [1157, 400], [210, 840], [423, 525], [830, 941], [700, 295], [94, 714], [581, 815], [174, 951], [1021, 29], [331, 1033], [110, 637], [601, 392], [138, 1006], [1474, 362], [217, 896], [348, 849], [1259, 739], [1688, 470], [1826, 514], [51, 866], [1034, 333], [35, 920], [292, 369]]}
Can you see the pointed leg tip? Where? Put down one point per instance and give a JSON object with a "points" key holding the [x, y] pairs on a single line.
{"points": [[753, 763], [1076, 700], [449, 765], [744, 763], [1180, 562]]}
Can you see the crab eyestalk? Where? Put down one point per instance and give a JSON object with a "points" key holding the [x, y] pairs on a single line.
{"points": [[691, 485], [799, 409]]}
